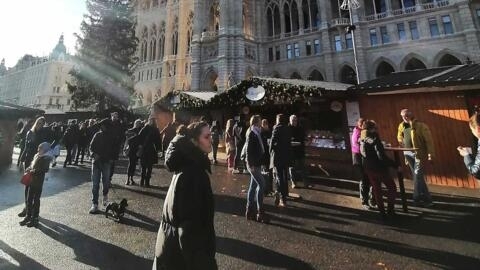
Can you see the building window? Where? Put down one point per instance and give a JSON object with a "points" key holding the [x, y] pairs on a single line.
{"points": [[57, 101], [373, 37], [413, 30], [447, 25], [401, 32], [54, 89], [348, 41], [50, 101], [270, 54], [338, 43], [297, 50], [277, 53], [68, 101], [434, 32], [384, 34], [138, 77], [289, 51], [308, 47], [316, 49]]}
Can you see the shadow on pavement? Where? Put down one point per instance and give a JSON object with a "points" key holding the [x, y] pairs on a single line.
{"points": [[445, 260], [24, 262], [91, 251], [143, 221], [258, 255]]}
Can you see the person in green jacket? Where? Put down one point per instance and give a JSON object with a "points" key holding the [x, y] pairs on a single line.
{"points": [[415, 134]]}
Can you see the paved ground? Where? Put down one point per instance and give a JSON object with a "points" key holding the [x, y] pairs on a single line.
{"points": [[323, 230]]}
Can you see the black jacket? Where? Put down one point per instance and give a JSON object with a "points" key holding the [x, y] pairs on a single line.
{"points": [[373, 153], [280, 146], [473, 164], [266, 135], [102, 147], [298, 135], [116, 132], [71, 136], [254, 154], [34, 139], [186, 238], [149, 140]]}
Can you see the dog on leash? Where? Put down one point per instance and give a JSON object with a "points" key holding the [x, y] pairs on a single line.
{"points": [[118, 209]]}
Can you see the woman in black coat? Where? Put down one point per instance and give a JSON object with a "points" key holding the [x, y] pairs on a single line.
{"points": [[186, 238], [148, 150], [131, 143]]}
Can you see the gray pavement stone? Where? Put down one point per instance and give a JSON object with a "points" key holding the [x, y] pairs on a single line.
{"points": [[324, 230]]}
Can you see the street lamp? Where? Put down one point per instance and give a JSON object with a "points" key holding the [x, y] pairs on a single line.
{"points": [[350, 5]]}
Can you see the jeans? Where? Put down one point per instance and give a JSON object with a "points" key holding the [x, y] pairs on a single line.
{"points": [[100, 170], [297, 171], [366, 195], [376, 180], [281, 174], [256, 189], [420, 189]]}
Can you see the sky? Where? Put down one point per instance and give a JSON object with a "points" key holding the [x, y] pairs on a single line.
{"points": [[34, 26]]}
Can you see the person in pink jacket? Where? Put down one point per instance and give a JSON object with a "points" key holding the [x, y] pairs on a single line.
{"points": [[365, 188]]}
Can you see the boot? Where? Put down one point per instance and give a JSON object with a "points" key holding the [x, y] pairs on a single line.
{"points": [[277, 199], [33, 222], [127, 183], [250, 213], [133, 182], [262, 217], [25, 221], [23, 213]]}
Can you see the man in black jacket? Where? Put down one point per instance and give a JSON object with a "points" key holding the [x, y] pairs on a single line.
{"points": [[297, 168], [102, 150], [117, 135], [254, 157], [280, 158]]}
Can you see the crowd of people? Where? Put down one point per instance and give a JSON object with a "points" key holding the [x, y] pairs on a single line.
{"points": [[186, 237]]}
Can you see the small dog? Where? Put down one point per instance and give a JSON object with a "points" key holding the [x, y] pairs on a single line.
{"points": [[118, 210]]}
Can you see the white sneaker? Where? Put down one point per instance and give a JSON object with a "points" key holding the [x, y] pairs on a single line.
{"points": [[105, 200], [93, 209]]}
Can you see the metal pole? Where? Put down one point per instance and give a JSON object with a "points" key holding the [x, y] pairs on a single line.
{"points": [[353, 44]]}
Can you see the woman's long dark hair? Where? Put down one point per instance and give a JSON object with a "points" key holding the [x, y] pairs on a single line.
{"points": [[192, 131]]}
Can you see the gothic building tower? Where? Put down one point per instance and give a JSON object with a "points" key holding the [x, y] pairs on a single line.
{"points": [[209, 45]]}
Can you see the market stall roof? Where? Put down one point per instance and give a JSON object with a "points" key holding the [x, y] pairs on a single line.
{"points": [[205, 96], [422, 78], [277, 91], [8, 110], [183, 100]]}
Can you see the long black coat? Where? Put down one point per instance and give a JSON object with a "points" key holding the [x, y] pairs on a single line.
{"points": [[149, 140], [186, 238], [281, 146]]}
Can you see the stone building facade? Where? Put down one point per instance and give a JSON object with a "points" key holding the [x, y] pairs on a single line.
{"points": [[212, 44], [39, 82]]}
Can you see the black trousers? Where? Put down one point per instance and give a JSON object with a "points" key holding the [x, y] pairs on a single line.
{"points": [[132, 165], [281, 181], [33, 200], [112, 169], [238, 159], [366, 194], [214, 150], [81, 152], [69, 158], [146, 172]]}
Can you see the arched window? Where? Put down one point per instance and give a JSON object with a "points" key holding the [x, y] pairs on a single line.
{"points": [[174, 43], [277, 26], [448, 60], [286, 12], [314, 14], [315, 75], [294, 16], [144, 51], [414, 64], [161, 49], [153, 49], [270, 21], [347, 75], [306, 14], [384, 69], [189, 41]]}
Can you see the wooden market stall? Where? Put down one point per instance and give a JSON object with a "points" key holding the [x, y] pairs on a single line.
{"points": [[443, 98], [9, 117], [321, 108]]}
